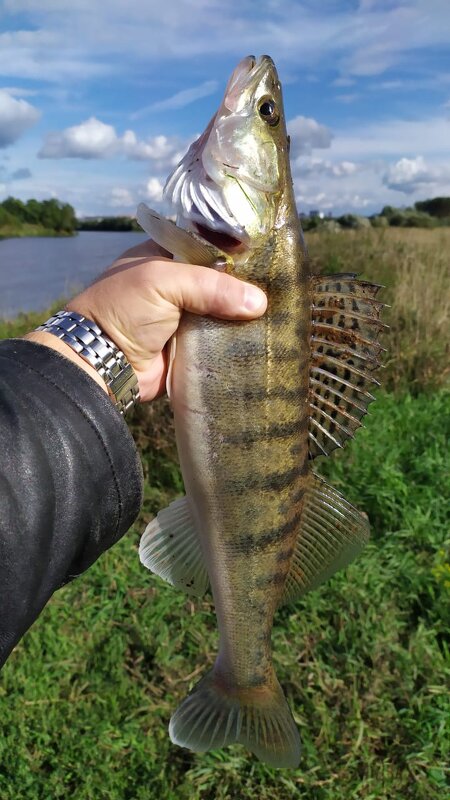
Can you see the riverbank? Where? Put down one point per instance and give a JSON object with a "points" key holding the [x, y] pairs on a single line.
{"points": [[29, 230]]}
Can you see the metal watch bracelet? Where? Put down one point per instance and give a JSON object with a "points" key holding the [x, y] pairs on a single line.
{"points": [[86, 338]]}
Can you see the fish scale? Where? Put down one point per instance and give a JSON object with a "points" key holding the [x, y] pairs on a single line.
{"points": [[243, 530], [254, 403]]}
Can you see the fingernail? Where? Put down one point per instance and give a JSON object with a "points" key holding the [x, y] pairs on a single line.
{"points": [[254, 298]]}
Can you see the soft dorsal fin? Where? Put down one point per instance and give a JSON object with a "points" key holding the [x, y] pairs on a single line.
{"points": [[344, 354], [331, 534]]}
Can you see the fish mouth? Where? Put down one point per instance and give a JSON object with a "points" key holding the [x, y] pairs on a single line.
{"points": [[223, 241], [248, 72]]}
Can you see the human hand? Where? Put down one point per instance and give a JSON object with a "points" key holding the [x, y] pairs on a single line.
{"points": [[139, 300]]}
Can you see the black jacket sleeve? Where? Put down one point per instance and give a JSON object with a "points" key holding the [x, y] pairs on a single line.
{"points": [[70, 479]]}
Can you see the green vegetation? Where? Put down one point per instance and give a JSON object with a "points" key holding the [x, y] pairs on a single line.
{"points": [[53, 218], [86, 697], [34, 218], [425, 214], [437, 207], [109, 224]]}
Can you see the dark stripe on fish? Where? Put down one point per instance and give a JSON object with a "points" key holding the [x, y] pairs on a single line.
{"points": [[245, 350], [277, 392], [254, 543], [265, 483], [279, 318], [276, 431], [275, 578]]}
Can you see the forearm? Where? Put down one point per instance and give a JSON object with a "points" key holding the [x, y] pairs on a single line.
{"points": [[51, 341], [70, 479]]}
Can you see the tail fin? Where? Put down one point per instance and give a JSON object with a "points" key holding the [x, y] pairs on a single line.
{"points": [[211, 717]]}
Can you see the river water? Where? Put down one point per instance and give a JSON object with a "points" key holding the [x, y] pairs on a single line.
{"points": [[36, 271]]}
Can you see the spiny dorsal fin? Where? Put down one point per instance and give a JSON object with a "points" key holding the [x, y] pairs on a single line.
{"points": [[331, 534], [344, 354]]}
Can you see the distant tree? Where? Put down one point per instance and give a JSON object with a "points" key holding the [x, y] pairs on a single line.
{"points": [[437, 207], [353, 221], [5, 217], [33, 211], [388, 211], [50, 214], [108, 224], [68, 219], [15, 207]]}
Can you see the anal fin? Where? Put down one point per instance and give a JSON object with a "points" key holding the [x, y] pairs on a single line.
{"points": [[170, 547], [332, 533]]}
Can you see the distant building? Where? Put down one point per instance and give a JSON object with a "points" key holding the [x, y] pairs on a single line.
{"points": [[316, 213]]}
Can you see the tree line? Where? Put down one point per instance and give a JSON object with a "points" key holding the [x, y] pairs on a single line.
{"points": [[52, 215], [423, 214]]}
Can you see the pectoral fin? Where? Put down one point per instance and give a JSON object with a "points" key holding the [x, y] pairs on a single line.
{"points": [[170, 547], [332, 533], [344, 354], [184, 245]]}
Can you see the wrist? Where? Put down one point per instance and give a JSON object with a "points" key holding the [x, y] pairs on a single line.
{"points": [[48, 340], [90, 344]]}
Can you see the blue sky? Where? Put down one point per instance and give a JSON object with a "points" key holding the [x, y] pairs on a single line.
{"points": [[99, 100]]}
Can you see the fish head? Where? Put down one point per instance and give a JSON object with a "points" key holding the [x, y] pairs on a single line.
{"points": [[231, 184]]}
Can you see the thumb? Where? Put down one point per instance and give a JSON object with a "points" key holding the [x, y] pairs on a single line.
{"points": [[202, 290]]}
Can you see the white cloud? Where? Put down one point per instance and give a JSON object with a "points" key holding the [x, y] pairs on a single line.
{"points": [[154, 190], [21, 174], [91, 139], [393, 137], [306, 135], [91, 37], [348, 98], [319, 166], [17, 91], [160, 149], [94, 139], [121, 197], [410, 174], [16, 116], [50, 53], [179, 100], [343, 82]]}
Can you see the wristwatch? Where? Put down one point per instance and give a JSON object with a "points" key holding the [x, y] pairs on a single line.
{"points": [[86, 338]]}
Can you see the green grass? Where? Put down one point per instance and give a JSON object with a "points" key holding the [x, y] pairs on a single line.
{"points": [[86, 698], [20, 230]]}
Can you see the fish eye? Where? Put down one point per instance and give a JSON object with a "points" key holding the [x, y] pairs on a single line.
{"points": [[268, 111]]}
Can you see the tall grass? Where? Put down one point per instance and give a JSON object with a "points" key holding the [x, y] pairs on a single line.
{"points": [[414, 266]]}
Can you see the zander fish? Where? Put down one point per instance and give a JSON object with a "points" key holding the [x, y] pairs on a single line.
{"points": [[254, 403]]}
